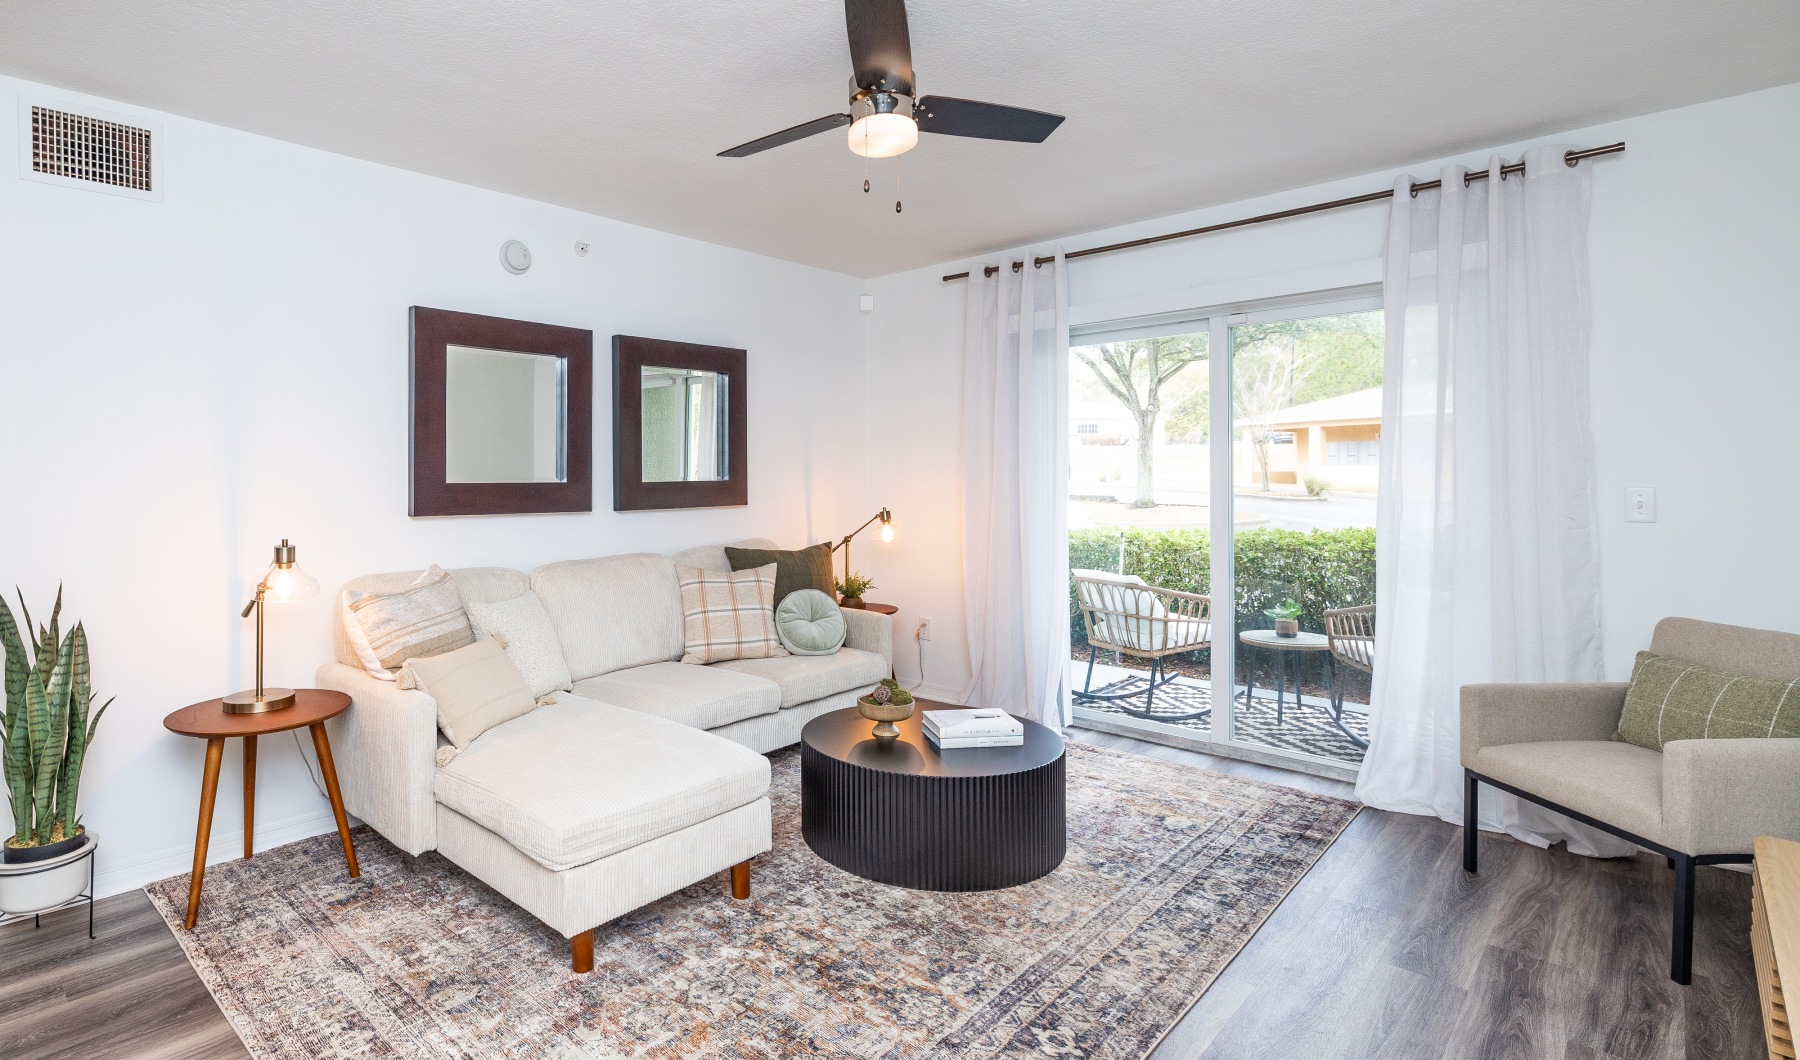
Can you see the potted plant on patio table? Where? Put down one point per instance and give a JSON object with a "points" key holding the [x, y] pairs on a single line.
{"points": [[1287, 618], [44, 737]]}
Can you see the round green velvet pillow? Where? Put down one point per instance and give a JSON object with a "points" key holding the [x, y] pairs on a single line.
{"points": [[809, 623]]}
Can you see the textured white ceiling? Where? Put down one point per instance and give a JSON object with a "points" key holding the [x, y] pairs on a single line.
{"points": [[619, 108]]}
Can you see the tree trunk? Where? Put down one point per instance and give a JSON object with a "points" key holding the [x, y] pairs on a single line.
{"points": [[1146, 459]]}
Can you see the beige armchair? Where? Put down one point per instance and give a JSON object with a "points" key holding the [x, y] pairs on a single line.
{"points": [[1697, 802]]}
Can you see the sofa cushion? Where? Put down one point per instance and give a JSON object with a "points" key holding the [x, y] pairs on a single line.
{"points": [[810, 623], [531, 641], [1670, 699], [472, 583], [728, 616], [612, 612], [1619, 783], [703, 697], [807, 568], [476, 688], [424, 618], [577, 781], [804, 678]]}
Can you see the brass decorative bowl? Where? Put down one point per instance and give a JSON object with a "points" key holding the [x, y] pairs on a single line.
{"points": [[884, 715]]}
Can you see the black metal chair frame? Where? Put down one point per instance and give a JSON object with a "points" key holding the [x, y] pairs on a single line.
{"points": [[1681, 957], [1159, 676]]}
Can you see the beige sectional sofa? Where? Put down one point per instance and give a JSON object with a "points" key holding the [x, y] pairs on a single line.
{"points": [[647, 777]]}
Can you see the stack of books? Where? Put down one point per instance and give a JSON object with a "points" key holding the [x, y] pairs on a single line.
{"points": [[949, 729]]}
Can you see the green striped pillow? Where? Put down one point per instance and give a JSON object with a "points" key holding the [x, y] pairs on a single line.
{"points": [[1674, 700]]}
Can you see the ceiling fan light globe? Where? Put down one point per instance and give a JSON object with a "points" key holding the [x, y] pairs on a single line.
{"points": [[883, 135]]}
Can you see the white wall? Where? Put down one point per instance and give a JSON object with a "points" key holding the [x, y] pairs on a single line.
{"points": [[184, 383], [1695, 244]]}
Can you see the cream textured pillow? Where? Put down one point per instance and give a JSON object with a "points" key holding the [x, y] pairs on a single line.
{"points": [[729, 615], [476, 688], [425, 618], [531, 641]]}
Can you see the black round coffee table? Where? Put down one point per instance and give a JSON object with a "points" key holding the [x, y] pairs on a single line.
{"points": [[901, 812]]}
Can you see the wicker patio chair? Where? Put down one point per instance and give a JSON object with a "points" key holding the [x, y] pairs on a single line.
{"points": [[1124, 614], [1351, 633]]}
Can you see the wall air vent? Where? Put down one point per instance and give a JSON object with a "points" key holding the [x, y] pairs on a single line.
{"points": [[77, 147]]}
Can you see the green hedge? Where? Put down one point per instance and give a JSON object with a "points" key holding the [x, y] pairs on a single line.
{"points": [[1319, 569]]}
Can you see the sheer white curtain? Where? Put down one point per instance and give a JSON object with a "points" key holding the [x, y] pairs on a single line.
{"points": [[1015, 484], [1487, 556]]}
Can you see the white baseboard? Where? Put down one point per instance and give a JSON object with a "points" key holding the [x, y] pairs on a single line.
{"points": [[116, 877], [939, 693]]}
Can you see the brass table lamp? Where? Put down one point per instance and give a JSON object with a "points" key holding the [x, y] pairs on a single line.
{"points": [[887, 534], [284, 581]]}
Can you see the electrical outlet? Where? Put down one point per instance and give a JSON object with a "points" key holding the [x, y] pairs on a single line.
{"points": [[1640, 505], [924, 631]]}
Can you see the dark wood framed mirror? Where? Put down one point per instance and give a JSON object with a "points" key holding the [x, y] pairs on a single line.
{"points": [[678, 425], [502, 416]]}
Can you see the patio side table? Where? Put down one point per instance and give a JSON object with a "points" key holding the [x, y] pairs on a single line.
{"points": [[1293, 650]]}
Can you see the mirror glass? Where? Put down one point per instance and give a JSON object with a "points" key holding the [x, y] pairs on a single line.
{"points": [[686, 418], [505, 416]]}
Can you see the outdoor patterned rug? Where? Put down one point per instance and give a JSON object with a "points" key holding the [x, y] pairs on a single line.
{"points": [[1170, 870], [1307, 727]]}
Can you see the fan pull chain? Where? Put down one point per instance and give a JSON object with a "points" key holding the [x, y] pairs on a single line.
{"points": [[897, 175]]}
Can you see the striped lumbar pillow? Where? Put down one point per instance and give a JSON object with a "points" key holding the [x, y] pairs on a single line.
{"points": [[729, 615], [425, 618], [1674, 700]]}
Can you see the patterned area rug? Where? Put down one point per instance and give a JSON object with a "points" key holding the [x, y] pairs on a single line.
{"points": [[1307, 727], [1170, 870]]}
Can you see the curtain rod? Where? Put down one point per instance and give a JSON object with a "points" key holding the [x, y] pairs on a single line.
{"points": [[1569, 157]]}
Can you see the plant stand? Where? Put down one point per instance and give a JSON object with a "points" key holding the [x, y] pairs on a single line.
{"points": [[86, 898]]}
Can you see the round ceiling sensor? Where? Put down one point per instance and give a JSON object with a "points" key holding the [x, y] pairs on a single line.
{"points": [[515, 257]]}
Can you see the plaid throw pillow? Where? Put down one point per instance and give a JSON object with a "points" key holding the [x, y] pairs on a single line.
{"points": [[1674, 700], [729, 615]]}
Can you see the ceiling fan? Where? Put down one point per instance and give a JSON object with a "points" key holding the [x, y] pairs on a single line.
{"points": [[886, 115]]}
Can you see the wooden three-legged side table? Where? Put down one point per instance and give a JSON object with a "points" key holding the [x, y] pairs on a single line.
{"points": [[208, 720]]}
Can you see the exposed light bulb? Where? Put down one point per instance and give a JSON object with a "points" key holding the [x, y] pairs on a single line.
{"points": [[883, 135], [887, 531]]}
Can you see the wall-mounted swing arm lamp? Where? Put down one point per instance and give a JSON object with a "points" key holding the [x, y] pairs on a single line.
{"points": [[284, 581], [885, 517]]}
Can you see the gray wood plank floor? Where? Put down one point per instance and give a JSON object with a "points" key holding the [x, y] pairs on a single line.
{"points": [[1385, 950]]}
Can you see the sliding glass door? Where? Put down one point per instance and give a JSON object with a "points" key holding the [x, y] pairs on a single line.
{"points": [[1224, 549], [1140, 497], [1305, 443]]}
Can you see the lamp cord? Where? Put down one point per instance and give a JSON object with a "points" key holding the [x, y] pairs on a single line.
{"points": [[317, 779]]}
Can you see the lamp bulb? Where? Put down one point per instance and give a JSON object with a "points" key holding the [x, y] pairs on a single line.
{"points": [[887, 532]]}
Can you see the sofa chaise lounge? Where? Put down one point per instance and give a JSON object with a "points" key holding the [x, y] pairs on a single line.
{"points": [[648, 777]]}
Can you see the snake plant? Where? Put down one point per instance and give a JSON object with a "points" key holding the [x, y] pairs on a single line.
{"points": [[47, 727]]}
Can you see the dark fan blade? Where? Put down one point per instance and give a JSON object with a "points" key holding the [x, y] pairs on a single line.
{"points": [[880, 48], [987, 121], [788, 136]]}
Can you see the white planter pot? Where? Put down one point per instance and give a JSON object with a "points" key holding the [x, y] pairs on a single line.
{"points": [[34, 886]]}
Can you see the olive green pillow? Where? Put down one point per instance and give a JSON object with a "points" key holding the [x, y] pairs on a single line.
{"points": [[807, 568], [1674, 700]]}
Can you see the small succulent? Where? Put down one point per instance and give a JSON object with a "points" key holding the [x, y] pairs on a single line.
{"points": [[854, 585], [882, 694], [1287, 609]]}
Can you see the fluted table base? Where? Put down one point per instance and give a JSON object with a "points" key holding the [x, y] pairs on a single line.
{"points": [[897, 812]]}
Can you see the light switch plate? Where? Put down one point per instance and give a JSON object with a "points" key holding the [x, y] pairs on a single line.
{"points": [[1640, 505]]}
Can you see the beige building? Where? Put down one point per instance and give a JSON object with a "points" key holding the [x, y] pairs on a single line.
{"points": [[1337, 440]]}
